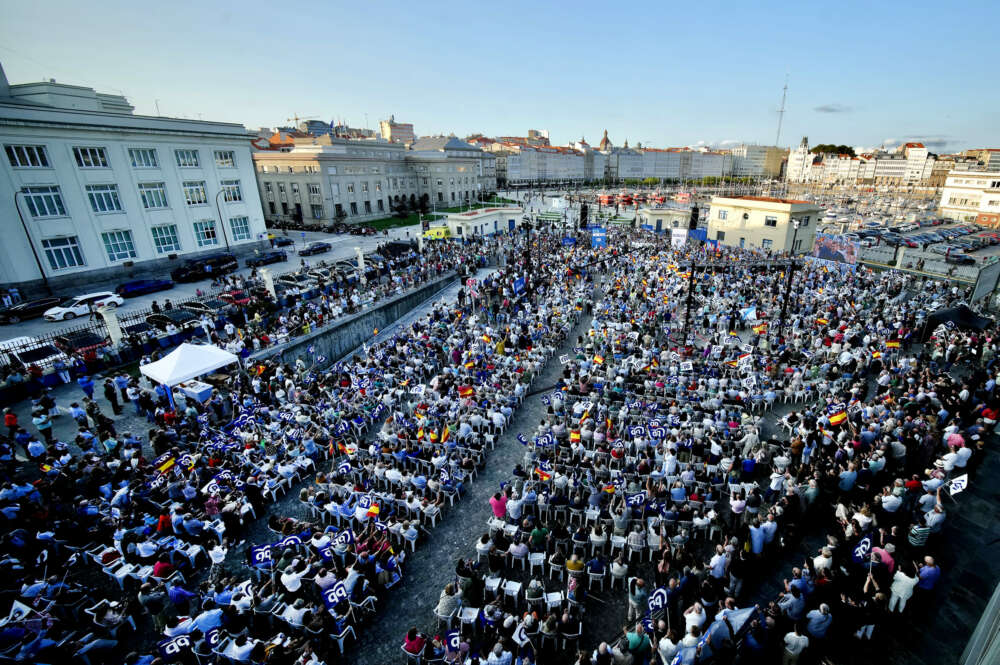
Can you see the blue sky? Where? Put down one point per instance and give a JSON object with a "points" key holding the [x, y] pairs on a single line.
{"points": [[707, 72]]}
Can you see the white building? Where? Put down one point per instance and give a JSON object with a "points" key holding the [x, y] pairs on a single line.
{"points": [[972, 196], [757, 161], [105, 194]]}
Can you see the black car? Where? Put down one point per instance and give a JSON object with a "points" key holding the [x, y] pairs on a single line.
{"points": [[181, 318], [274, 256], [363, 231], [140, 287], [283, 241], [29, 309], [205, 306], [82, 342], [396, 248], [315, 248], [207, 266]]}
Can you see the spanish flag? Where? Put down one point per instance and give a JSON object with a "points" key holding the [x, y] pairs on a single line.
{"points": [[583, 418], [470, 364], [466, 391], [598, 360], [876, 354], [733, 333], [892, 344], [607, 423], [341, 447], [374, 509], [821, 321], [609, 488], [486, 338], [760, 329], [164, 462], [444, 433], [434, 436], [543, 475], [375, 332], [420, 434], [574, 436], [836, 414]]}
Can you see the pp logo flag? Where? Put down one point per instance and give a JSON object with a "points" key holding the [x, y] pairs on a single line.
{"points": [[344, 467], [959, 483], [334, 595], [636, 500], [658, 599], [345, 537], [454, 639], [174, 646], [261, 555]]}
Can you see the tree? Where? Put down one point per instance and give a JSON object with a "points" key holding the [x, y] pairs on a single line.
{"points": [[425, 203], [651, 181], [830, 148], [401, 208], [340, 215]]}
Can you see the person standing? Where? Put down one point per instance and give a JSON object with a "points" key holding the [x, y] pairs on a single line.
{"points": [[112, 396], [795, 644], [43, 424], [10, 422], [86, 385]]}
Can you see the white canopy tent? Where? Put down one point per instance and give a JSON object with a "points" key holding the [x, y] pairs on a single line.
{"points": [[186, 362]]}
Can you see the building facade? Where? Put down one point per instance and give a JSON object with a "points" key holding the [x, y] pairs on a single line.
{"points": [[397, 132], [326, 179], [104, 194], [757, 161], [757, 222], [972, 196]]}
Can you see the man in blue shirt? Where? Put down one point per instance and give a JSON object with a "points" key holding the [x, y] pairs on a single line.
{"points": [[929, 574]]}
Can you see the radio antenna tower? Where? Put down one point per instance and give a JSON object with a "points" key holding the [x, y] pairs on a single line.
{"points": [[781, 111]]}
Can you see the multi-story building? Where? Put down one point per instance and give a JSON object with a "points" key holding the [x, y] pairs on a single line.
{"points": [[101, 190], [763, 223], [521, 163], [972, 196], [989, 158], [326, 178], [910, 164], [756, 161], [397, 132]]}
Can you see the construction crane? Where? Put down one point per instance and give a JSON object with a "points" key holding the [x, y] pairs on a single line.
{"points": [[297, 119]]}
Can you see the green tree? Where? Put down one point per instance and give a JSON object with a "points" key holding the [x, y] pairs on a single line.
{"points": [[651, 181], [402, 209], [425, 204], [830, 148]]}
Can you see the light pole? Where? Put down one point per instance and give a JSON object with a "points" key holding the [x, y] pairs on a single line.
{"points": [[788, 282], [31, 244], [222, 222]]}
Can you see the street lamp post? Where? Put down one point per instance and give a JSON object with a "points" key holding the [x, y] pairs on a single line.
{"points": [[222, 221], [31, 244], [788, 282]]}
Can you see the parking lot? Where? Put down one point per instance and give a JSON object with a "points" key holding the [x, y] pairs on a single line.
{"points": [[958, 242], [342, 247]]}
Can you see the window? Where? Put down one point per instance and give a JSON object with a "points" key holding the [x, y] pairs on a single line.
{"points": [[204, 233], [165, 239], [313, 189], [232, 190], [143, 158], [104, 198], [284, 208], [364, 186], [63, 252], [720, 235], [381, 206], [354, 208], [766, 243], [271, 208], [378, 186], [240, 227], [440, 197], [317, 212], [194, 193], [335, 187], [338, 209], [44, 201], [91, 158], [770, 221], [118, 245], [225, 159], [281, 189], [368, 207], [153, 195], [350, 188], [187, 158], [295, 190], [269, 190], [723, 214], [439, 181], [27, 156], [332, 170], [453, 196]]}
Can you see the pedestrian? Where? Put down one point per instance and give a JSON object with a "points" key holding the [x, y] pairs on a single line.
{"points": [[10, 422], [86, 385], [43, 424], [795, 644], [111, 395], [61, 370]]}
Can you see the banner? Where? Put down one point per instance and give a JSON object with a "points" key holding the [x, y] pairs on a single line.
{"points": [[599, 237], [836, 249], [678, 237]]}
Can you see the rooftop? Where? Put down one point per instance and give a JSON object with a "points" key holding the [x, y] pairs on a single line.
{"points": [[768, 199]]}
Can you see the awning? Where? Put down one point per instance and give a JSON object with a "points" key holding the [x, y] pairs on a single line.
{"points": [[186, 362]]}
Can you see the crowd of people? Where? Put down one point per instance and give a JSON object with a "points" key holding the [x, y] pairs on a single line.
{"points": [[660, 470], [659, 467]]}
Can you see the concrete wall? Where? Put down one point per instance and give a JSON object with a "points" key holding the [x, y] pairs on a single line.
{"points": [[906, 259], [350, 332]]}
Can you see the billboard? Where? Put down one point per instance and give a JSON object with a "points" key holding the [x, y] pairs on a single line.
{"points": [[678, 237], [598, 237], [835, 248], [985, 282]]}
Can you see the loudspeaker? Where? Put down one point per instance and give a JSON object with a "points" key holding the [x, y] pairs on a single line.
{"points": [[693, 224], [584, 211]]}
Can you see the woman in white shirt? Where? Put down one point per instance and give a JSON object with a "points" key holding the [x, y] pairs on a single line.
{"points": [[902, 587]]}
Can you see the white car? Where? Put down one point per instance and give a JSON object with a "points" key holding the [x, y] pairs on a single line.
{"points": [[81, 305]]}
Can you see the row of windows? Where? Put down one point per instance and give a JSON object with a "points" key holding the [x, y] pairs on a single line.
{"points": [[46, 200], [65, 252], [95, 157]]}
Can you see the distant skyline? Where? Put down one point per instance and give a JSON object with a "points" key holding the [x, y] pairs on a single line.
{"points": [[861, 74]]}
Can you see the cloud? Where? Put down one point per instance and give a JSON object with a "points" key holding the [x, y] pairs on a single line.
{"points": [[833, 108], [936, 142], [725, 143]]}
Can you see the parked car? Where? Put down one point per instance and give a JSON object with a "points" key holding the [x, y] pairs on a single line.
{"points": [[363, 231], [181, 318], [339, 227], [266, 258], [29, 351], [208, 306], [138, 287], [81, 342], [318, 247], [235, 297], [960, 259], [29, 309], [206, 266], [283, 241], [71, 308], [296, 281]]}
